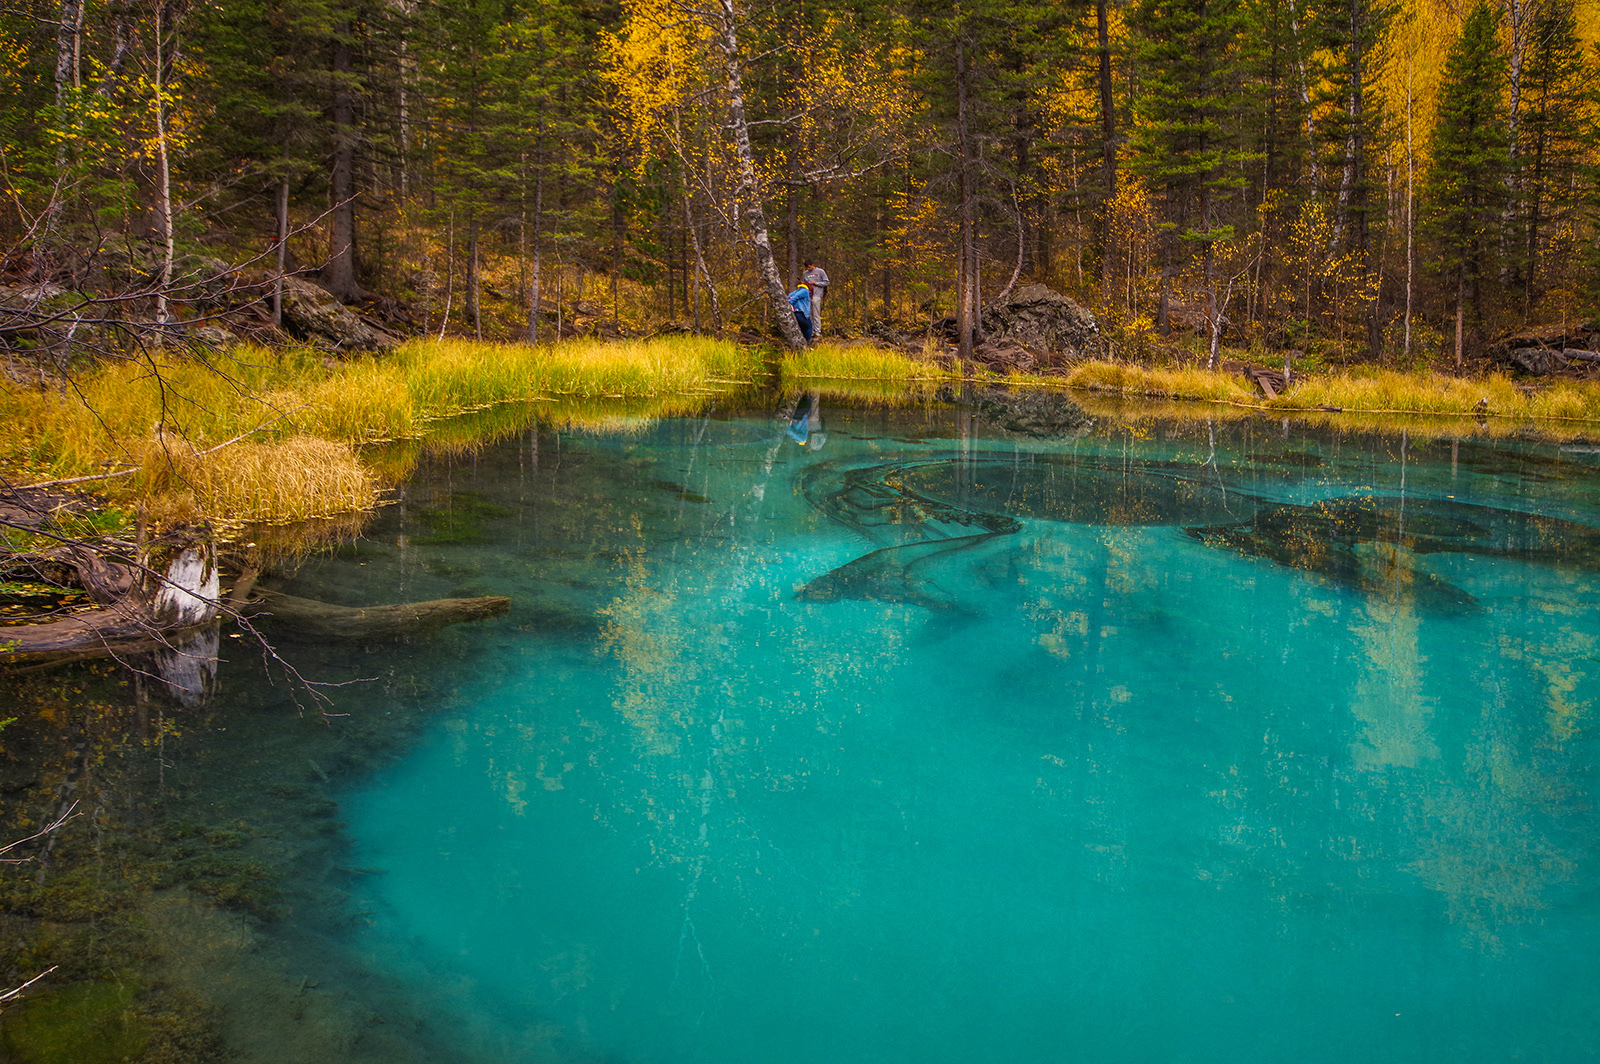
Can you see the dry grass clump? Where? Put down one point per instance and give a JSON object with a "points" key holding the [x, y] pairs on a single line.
{"points": [[1123, 378], [259, 438], [858, 362], [1387, 391], [633, 368], [279, 482]]}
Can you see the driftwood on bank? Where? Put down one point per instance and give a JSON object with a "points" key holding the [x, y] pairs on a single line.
{"points": [[1268, 381], [135, 614], [310, 617]]}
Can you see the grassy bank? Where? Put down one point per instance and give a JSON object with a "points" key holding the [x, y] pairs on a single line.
{"points": [[876, 374], [255, 436], [276, 436], [1372, 391]]}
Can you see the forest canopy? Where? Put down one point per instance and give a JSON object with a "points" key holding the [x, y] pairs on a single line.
{"points": [[1384, 180]]}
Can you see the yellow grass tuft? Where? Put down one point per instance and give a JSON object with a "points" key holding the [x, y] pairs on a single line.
{"points": [[858, 363], [110, 419], [266, 483], [1122, 378], [1387, 391]]}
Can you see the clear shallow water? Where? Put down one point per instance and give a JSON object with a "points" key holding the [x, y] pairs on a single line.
{"points": [[1086, 788]]}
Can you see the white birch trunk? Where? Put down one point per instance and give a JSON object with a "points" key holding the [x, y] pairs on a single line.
{"points": [[749, 184]]}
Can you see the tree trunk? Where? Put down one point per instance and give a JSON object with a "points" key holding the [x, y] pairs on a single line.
{"points": [[283, 252], [702, 273], [1108, 144], [69, 45], [533, 277], [474, 293], [748, 187], [617, 224], [160, 64], [140, 618], [791, 226], [1411, 258], [966, 268], [339, 275], [1461, 310]]}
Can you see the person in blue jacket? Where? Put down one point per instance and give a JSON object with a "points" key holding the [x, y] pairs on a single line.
{"points": [[800, 300]]}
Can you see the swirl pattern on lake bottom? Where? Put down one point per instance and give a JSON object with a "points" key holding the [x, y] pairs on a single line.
{"points": [[1337, 539]]}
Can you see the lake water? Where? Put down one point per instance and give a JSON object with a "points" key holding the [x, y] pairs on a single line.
{"points": [[952, 734], [948, 742]]}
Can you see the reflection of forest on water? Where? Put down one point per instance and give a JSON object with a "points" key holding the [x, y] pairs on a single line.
{"points": [[1327, 704]]}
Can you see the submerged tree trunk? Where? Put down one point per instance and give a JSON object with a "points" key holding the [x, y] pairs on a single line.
{"points": [[327, 621]]}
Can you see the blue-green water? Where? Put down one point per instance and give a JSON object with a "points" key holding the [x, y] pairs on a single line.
{"points": [[1100, 759]]}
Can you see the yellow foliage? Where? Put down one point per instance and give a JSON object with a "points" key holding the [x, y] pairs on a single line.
{"points": [[656, 63]]}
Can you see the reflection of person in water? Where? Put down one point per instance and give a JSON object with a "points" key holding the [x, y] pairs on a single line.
{"points": [[805, 428]]}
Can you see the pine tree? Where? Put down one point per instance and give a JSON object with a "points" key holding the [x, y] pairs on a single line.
{"points": [[1554, 134], [1353, 38], [1188, 146], [1465, 190]]}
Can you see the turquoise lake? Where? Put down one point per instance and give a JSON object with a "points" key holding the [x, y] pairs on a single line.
{"points": [[894, 736]]}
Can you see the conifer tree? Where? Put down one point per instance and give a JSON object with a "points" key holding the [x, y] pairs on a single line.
{"points": [[1555, 133], [1188, 146], [1465, 189], [1352, 37]]}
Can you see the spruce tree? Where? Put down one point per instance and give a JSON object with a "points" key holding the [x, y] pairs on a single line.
{"points": [[1353, 39], [1465, 190], [1188, 146], [1554, 135]]}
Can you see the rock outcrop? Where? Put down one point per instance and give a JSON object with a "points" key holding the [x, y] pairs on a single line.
{"points": [[1052, 329], [312, 313]]}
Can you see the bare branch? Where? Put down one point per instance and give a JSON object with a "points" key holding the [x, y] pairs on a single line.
{"points": [[15, 991], [41, 833]]}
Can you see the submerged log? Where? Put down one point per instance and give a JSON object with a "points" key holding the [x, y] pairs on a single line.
{"points": [[373, 622]]}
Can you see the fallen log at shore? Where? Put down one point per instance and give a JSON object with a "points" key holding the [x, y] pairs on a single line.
{"points": [[124, 627], [324, 619], [135, 614]]}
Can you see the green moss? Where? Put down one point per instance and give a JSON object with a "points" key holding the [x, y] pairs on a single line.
{"points": [[86, 1023], [179, 1031], [79, 895], [233, 882], [460, 520]]}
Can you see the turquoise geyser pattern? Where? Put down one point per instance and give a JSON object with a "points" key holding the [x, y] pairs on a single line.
{"points": [[946, 743]]}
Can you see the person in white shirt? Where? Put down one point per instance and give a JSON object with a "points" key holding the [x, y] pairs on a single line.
{"points": [[816, 278]]}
